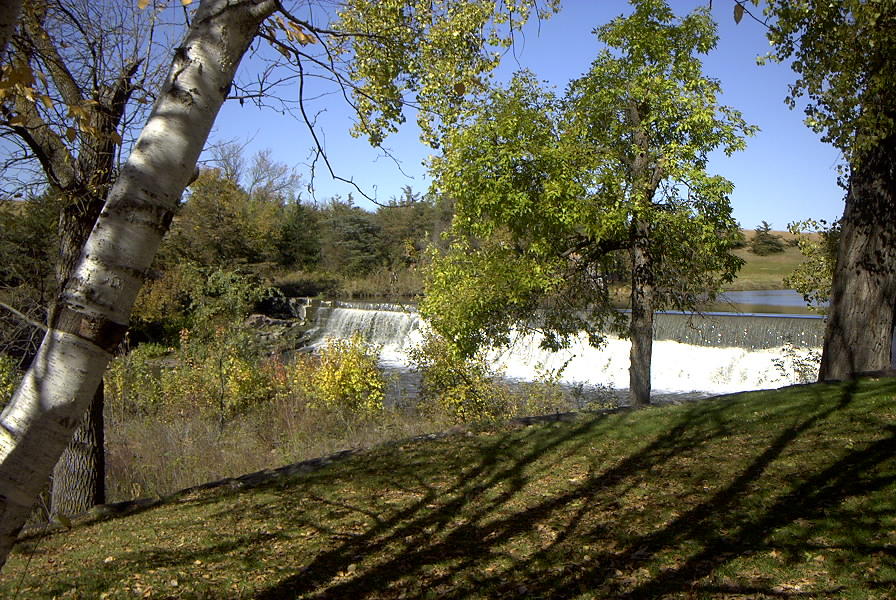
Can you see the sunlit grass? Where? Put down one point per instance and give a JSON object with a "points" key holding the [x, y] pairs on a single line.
{"points": [[779, 494], [765, 272]]}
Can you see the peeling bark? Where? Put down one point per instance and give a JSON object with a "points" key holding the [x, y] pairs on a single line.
{"points": [[96, 303]]}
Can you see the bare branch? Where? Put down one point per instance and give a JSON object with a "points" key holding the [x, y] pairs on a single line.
{"points": [[23, 318]]}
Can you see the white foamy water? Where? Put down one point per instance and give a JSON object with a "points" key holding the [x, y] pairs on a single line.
{"points": [[677, 367]]}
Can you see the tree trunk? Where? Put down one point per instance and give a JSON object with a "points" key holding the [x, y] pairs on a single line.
{"points": [[79, 476], [641, 328], [9, 17], [859, 334], [95, 306]]}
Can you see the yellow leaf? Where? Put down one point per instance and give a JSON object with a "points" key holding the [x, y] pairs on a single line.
{"points": [[47, 102], [70, 134], [186, 2], [141, 4], [738, 13]]}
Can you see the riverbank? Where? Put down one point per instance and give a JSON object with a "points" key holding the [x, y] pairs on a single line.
{"points": [[778, 493]]}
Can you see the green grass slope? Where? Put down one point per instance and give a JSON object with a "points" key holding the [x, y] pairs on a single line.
{"points": [[780, 494], [765, 272]]}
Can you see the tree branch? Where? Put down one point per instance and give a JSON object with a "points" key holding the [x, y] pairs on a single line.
{"points": [[23, 318]]}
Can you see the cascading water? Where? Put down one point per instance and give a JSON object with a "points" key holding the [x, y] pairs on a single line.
{"points": [[710, 354]]}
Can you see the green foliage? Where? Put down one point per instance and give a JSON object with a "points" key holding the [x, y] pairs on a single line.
{"points": [[351, 238], [133, 383], [222, 375], [406, 228], [187, 296], [29, 243], [546, 190], [348, 378], [818, 242], [464, 387], [298, 239], [765, 242], [222, 224], [9, 377], [432, 53], [843, 54]]}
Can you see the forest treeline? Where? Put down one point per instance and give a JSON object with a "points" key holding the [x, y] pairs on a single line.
{"points": [[248, 233]]}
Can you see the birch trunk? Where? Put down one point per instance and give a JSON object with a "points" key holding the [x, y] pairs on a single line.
{"points": [[96, 303]]}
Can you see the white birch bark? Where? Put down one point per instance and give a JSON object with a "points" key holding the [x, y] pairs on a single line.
{"points": [[96, 304]]}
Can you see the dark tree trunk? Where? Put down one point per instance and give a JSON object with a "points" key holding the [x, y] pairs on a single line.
{"points": [[641, 328], [79, 478], [859, 334]]}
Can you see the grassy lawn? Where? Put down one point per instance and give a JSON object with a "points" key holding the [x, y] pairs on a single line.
{"points": [[765, 272], [779, 494]]}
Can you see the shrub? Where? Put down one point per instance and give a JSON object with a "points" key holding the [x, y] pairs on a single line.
{"points": [[801, 362], [764, 242], [132, 382], [9, 378], [348, 378], [467, 389], [200, 299]]}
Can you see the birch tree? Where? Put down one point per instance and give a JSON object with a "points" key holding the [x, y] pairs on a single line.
{"points": [[72, 113], [392, 50]]}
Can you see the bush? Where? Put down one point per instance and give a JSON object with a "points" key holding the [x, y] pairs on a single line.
{"points": [[9, 378], [187, 296], [348, 378], [467, 389], [132, 381], [764, 242]]}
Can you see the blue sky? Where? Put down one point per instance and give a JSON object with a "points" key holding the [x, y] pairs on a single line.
{"points": [[786, 173]]}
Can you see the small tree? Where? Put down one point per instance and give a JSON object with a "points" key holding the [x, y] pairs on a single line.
{"points": [[765, 242], [818, 242], [553, 197]]}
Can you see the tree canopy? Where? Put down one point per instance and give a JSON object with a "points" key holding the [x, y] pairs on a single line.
{"points": [[549, 191]]}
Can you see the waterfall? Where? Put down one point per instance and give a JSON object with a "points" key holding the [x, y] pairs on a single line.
{"points": [[711, 354]]}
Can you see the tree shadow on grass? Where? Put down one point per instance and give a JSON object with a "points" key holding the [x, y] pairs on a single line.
{"points": [[631, 505], [465, 540]]}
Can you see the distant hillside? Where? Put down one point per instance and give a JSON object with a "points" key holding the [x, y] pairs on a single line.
{"points": [[766, 272], [777, 494]]}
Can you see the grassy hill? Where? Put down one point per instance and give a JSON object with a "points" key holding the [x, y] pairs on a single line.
{"points": [[778, 494], [766, 272]]}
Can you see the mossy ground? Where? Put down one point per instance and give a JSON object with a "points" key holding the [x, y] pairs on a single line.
{"points": [[777, 494]]}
